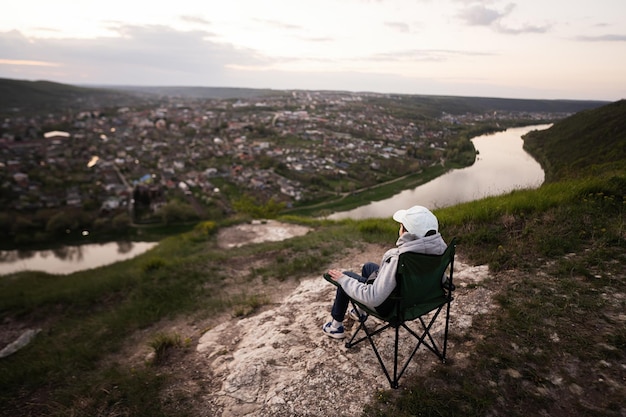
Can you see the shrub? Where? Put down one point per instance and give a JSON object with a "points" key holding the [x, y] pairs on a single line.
{"points": [[248, 205], [162, 343], [153, 264], [206, 228], [177, 211], [121, 222]]}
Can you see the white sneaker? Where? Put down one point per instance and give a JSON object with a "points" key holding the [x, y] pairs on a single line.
{"points": [[335, 333], [357, 314]]}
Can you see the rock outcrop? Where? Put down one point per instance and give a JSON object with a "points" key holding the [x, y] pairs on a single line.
{"points": [[279, 363]]}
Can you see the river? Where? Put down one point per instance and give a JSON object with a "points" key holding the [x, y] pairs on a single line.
{"points": [[68, 259], [501, 166]]}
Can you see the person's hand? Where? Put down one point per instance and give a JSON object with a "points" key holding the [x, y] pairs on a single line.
{"points": [[334, 274]]}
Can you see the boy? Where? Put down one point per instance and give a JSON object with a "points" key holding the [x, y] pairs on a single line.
{"points": [[419, 232]]}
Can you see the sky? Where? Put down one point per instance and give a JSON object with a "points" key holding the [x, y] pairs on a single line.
{"points": [[539, 49]]}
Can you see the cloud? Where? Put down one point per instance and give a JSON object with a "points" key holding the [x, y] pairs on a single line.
{"points": [[318, 39], [195, 20], [523, 29], [422, 55], [398, 26], [480, 15], [603, 38], [13, 45], [138, 55], [278, 24], [160, 55], [27, 63], [157, 55]]}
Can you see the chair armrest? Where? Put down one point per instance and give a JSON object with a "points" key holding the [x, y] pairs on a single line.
{"points": [[367, 309], [329, 279]]}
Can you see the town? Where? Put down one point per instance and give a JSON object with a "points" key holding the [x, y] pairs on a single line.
{"points": [[113, 166]]}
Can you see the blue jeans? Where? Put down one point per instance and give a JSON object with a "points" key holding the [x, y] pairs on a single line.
{"points": [[340, 306]]}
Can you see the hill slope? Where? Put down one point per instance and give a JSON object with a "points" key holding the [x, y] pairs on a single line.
{"points": [[46, 95], [587, 142], [35, 96]]}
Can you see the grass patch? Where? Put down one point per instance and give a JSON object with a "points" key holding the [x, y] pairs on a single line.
{"points": [[524, 228], [162, 344], [248, 304]]}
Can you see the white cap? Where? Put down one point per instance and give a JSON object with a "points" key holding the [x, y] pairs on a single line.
{"points": [[417, 220]]}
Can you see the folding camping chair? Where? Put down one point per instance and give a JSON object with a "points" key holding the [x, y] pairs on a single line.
{"points": [[420, 296]]}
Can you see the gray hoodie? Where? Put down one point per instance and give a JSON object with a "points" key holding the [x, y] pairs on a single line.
{"points": [[373, 295]]}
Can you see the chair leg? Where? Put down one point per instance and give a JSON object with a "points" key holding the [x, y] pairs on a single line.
{"points": [[424, 338], [396, 377], [362, 326], [394, 382], [445, 337]]}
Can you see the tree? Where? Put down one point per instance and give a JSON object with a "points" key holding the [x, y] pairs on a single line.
{"points": [[176, 211], [60, 223], [121, 222], [252, 207], [5, 224]]}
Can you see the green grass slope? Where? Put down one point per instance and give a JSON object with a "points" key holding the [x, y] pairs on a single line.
{"points": [[592, 141]]}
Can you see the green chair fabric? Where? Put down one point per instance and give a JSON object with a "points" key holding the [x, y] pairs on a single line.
{"points": [[419, 299]]}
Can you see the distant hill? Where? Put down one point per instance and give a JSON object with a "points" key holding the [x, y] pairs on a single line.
{"points": [[459, 105], [432, 105], [202, 92], [45, 95], [22, 95], [564, 150]]}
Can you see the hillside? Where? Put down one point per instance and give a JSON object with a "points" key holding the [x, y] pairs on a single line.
{"points": [[45, 95], [589, 141], [201, 92], [35, 96], [435, 105], [194, 329], [429, 105]]}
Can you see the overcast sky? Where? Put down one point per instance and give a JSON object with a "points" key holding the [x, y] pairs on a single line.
{"points": [[554, 49]]}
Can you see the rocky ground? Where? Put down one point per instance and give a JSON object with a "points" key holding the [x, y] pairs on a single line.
{"points": [[278, 362]]}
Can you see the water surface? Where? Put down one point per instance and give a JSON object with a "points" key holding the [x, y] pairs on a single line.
{"points": [[68, 259]]}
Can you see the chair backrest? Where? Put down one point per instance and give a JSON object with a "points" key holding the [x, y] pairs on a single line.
{"points": [[418, 285]]}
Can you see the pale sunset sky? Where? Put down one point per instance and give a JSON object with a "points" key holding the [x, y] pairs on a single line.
{"points": [[544, 49]]}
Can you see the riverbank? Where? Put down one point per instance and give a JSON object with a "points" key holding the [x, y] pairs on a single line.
{"points": [[348, 201]]}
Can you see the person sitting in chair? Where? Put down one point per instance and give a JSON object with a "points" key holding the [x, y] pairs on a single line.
{"points": [[419, 232]]}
